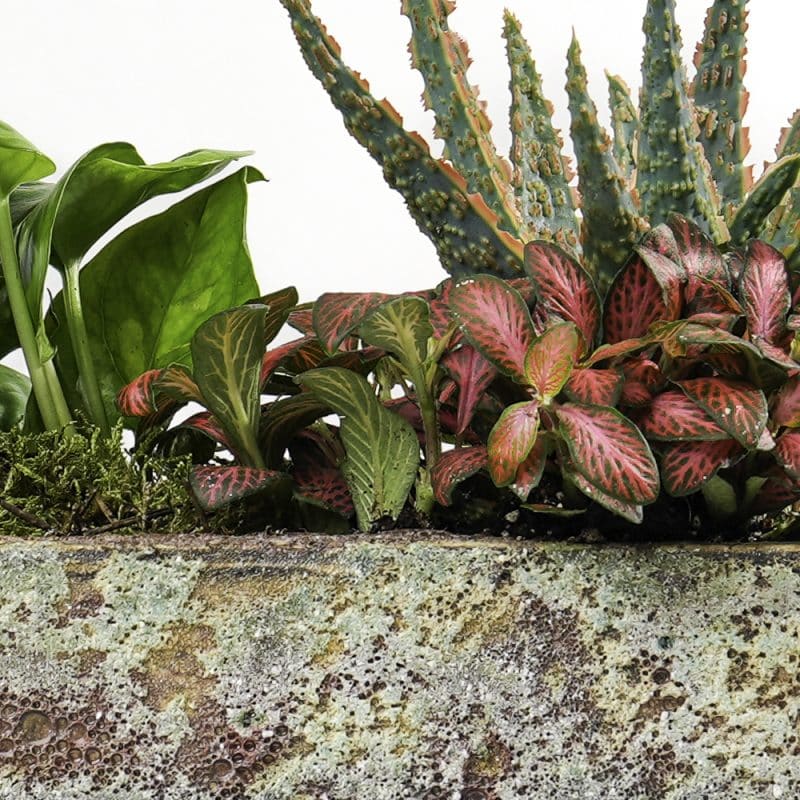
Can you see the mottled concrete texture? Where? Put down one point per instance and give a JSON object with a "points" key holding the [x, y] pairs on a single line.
{"points": [[398, 667]]}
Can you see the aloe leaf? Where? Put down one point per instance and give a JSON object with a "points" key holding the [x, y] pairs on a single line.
{"points": [[282, 419], [752, 218], [147, 291], [337, 314], [721, 100], [764, 289], [633, 512], [563, 288], [611, 220], [625, 125], [738, 408], [473, 374], [511, 439], [790, 137], [610, 452], [466, 233], [686, 466], [541, 173], [20, 161], [15, 389], [673, 173], [787, 452], [401, 327], [496, 320], [454, 467], [551, 358], [217, 487], [382, 449], [672, 416], [598, 387]]}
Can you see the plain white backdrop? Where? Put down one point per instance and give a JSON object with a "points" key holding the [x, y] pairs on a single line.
{"points": [[173, 75]]}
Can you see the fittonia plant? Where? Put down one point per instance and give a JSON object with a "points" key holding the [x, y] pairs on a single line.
{"points": [[682, 152]]}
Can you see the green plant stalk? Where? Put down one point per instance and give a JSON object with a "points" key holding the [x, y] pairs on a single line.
{"points": [[76, 324], [46, 387]]}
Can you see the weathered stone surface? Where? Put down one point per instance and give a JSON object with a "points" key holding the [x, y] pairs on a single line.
{"points": [[396, 667]]}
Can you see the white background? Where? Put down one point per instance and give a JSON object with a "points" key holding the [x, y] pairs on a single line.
{"points": [[172, 76]]}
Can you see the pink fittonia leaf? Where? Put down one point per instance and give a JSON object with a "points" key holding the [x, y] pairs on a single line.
{"points": [[786, 410], [777, 492], [216, 487], [735, 406], [530, 471], [325, 487], [453, 467], [511, 439], [632, 512], [660, 239], [673, 416], [776, 354], [137, 399], [610, 452], [274, 357], [764, 288], [473, 374], [563, 288], [207, 424], [551, 358], [496, 321], [686, 466], [441, 317], [301, 319], [176, 382], [622, 348], [787, 452], [635, 394], [599, 387], [337, 314], [698, 254]]}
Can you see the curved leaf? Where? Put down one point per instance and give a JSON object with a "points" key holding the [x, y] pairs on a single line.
{"points": [[787, 452], [473, 374], [273, 358], [673, 416], [686, 466], [530, 471], [453, 467], [216, 487], [176, 382], [764, 289], [138, 398], [20, 161], [551, 358], [209, 426], [786, 406], [15, 388], [282, 419], [279, 305], [632, 512], [336, 315], [610, 452], [700, 258], [401, 327], [325, 487], [598, 387], [511, 439]]}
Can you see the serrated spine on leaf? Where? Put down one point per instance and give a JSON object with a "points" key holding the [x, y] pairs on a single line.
{"points": [[611, 222], [541, 172], [672, 173], [442, 59], [625, 126], [462, 227], [721, 100]]}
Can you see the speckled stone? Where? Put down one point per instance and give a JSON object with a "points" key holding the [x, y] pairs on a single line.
{"points": [[398, 667]]}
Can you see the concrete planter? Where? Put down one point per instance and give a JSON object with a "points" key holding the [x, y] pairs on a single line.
{"points": [[402, 666]]}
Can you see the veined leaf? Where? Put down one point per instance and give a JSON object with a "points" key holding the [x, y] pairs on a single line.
{"points": [[137, 398], [337, 314], [530, 471], [216, 487], [209, 426], [511, 440], [673, 416], [401, 327], [279, 306], [564, 288], [551, 358], [325, 487], [787, 452], [738, 408], [282, 419], [20, 161], [176, 382], [610, 452], [699, 256], [15, 388], [686, 466], [272, 359], [598, 387], [453, 467], [764, 287], [382, 449], [301, 319], [473, 374], [786, 407], [632, 512], [227, 352], [496, 320], [777, 492]]}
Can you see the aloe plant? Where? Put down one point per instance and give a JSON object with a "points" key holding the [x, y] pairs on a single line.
{"points": [[682, 151]]}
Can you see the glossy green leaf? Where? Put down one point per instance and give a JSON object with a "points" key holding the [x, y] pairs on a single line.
{"points": [[382, 449], [401, 327], [20, 161], [15, 388]]}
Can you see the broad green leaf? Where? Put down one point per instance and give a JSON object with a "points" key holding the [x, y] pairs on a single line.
{"points": [[551, 358], [401, 327], [20, 161], [227, 352], [511, 439], [145, 294], [15, 388], [382, 449]]}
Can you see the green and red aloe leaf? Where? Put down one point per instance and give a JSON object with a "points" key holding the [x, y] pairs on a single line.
{"points": [[686, 466], [672, 416], [453, 467], [564, 288], [511, 439], [337, 314], [610, 452], [599, 387], [472, 374], [550, 359], [496, 320], [764, 288], [216, 487]]}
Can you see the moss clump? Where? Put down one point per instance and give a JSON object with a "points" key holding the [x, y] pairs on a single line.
{"points": [[88, 483]]}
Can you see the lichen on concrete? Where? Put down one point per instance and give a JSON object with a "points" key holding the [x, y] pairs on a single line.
{"points": [[400, 666]]}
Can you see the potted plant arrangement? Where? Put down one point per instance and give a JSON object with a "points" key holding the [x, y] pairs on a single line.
{"points": [[571, 465]]}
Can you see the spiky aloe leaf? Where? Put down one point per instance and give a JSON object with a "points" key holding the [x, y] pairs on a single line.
{"points": [[138, 398], [598, 387], [216, 487], [207, 425], [686, 466], [611, 222], [551, 358], [511, 439], [464, 230], [226, 354], [325, 487], [782, 230], [672, 416], [176, 382], [442, 59], [766, 196], [453, 467], [673, 172], [279, 305], [786, 406], [496, 321], [382, 449], [721, 100], [735, 406], [625, 125], [530, 471], [472, 374], [563, 288], [633, 512], [282, 419], [337, 314], [764, 289], [787, 452], [541, 173], [610, 452]]}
